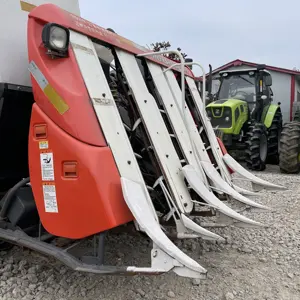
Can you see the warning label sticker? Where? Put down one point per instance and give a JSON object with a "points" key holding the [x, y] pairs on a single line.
{"points": [[50, 198], [47, 166], [43, 145]]}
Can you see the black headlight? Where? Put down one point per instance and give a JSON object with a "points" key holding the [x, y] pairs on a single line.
{"points": [[56, 39], [208, 111]]}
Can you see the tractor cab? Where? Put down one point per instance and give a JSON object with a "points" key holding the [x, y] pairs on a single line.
{"points": [[242, 91], [244, 100]]}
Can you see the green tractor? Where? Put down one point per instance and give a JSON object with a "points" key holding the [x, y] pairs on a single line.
{"points": [[243, 112]]}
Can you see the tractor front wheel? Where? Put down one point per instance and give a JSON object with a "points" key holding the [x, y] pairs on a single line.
{"points": [[274, 133], [289, 157], [257, 147]]}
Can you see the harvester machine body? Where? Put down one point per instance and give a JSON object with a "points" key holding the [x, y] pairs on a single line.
{"points": [[109, 144]]}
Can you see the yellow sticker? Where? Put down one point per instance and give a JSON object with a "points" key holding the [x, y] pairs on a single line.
{"points": [[60, 105], [43, 145], [27, 6]]}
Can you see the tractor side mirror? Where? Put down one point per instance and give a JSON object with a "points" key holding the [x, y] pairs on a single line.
{"points": [[268, 80]]}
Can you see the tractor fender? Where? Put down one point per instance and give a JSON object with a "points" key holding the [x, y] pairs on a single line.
{"points": [[269, 116]]}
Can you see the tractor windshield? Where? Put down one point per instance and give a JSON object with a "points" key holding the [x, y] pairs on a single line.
{"points": [[237, 86]]}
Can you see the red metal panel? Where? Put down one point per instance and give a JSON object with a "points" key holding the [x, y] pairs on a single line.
{"points": [[64, 76], [88, 203], [292, 99], [51, 13]]}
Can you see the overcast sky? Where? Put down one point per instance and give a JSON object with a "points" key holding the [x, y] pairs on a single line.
{"points": [[215, 31]]}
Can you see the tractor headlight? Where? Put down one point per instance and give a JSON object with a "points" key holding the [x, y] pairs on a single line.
{"points": [[56, 39], [227, 119], [227, 112]]}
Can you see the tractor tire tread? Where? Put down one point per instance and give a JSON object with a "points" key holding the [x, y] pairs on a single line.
{"points": [[274, 137], [290, 148], [252, 152]]}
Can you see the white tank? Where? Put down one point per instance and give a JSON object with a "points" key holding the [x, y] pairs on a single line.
{"points": [[13, 37]]}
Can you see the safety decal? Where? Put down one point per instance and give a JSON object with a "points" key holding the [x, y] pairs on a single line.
{"points": [[85, 49], [50, 200], [47, 166], [43, 145], [103, 101], [59, 104]]}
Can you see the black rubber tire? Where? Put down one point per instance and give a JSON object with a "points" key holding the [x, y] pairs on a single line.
{"points": [[273, 138], [290, 148], [252, 153]]}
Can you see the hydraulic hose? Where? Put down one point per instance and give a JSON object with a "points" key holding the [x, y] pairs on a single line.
{"points": [[9, 195]]}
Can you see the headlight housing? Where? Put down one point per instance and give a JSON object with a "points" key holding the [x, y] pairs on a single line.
{"points": [[56, 39]]}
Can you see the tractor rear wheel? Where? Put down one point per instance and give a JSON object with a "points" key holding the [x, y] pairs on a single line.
{"points": [[289, 158], [257, 147], [273, 138]]}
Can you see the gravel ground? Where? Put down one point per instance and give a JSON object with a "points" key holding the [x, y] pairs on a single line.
{"points": [[253, 264]]}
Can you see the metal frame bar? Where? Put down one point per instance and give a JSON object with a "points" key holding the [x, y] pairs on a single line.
{"points": [[182, 64]]}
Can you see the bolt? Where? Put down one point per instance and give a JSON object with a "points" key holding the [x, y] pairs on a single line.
{"points": [[145, 101], [167, 155], [103, 95], [129, 162]]}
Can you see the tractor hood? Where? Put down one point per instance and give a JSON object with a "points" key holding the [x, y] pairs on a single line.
{"points": [[223, 107], [231, 102], [228, 114]]}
